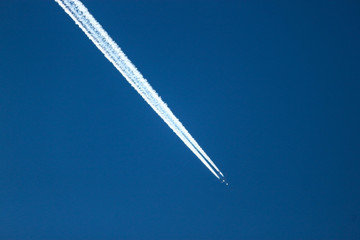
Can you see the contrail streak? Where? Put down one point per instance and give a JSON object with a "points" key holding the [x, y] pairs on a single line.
{"points": [[82, 17]]}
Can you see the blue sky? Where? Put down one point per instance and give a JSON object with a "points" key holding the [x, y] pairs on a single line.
{"points": [[269, 90]]}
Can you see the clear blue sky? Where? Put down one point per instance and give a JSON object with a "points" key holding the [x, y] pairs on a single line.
{"points": [[269, 89]]}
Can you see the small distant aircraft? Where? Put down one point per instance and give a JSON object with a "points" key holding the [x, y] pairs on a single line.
{"points": [[223, 181]]}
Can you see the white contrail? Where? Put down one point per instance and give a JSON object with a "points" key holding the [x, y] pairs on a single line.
{"points": [[82, 17]]}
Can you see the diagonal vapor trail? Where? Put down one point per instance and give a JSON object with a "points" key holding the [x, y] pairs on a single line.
{"points": [[82, 17]]}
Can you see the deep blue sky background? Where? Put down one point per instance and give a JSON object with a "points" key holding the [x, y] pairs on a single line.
{"points": [[270, 90]]}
